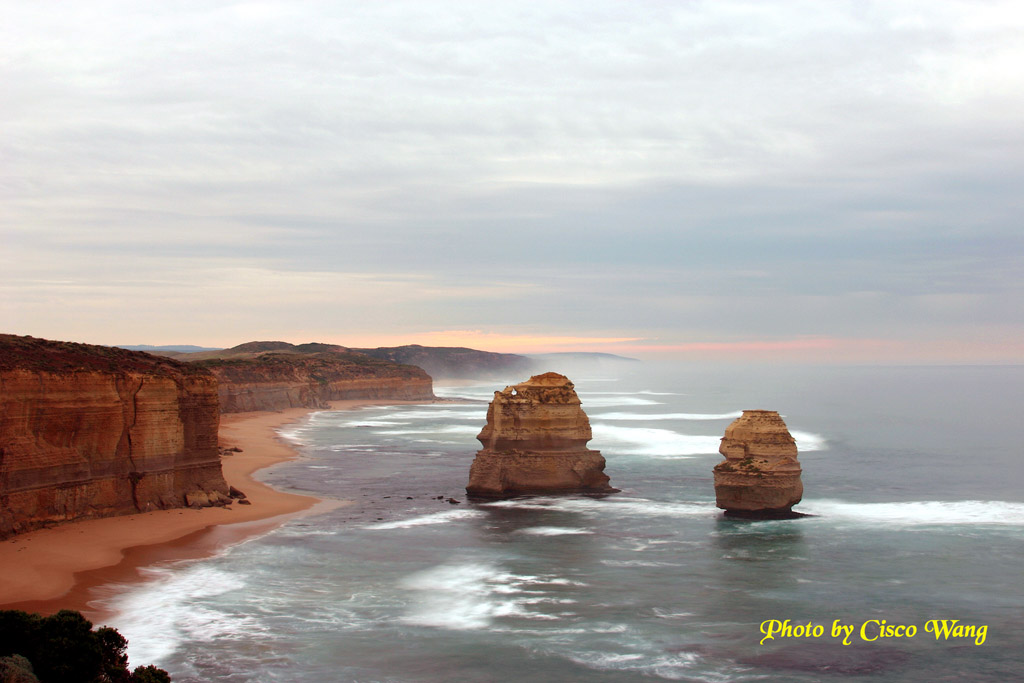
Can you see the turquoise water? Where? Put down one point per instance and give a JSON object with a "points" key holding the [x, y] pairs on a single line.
{"points": [[913, 476]]}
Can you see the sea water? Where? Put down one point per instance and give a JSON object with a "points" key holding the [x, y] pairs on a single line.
{"points": [[912, 475]]}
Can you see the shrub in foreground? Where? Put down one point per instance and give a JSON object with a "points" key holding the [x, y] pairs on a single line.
{"points": [[64, 648]]}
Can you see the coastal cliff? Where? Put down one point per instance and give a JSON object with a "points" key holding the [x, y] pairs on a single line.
{"points": [[535, 441], [454, 362], [761, 475], [278, 375], [92, 431]]}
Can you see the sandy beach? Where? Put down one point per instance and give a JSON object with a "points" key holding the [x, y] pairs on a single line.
{"points": [[55, 568]]}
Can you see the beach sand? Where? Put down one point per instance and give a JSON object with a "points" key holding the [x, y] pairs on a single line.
{"points": [[56, 568]]}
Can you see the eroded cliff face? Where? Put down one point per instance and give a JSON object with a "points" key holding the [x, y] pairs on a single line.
{"points": [[535, 441], [276, 381], [761, 474], [90, 432]]}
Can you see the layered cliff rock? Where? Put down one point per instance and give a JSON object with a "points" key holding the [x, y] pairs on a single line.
{"points": [[535, 441], [92, 431], [279, 375], [761, 475]]}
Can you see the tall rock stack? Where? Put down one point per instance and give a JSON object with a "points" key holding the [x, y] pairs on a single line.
{"points": [[761, 475], [535, 441]]}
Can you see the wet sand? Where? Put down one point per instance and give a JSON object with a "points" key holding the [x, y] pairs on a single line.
{"points": [[57, 568]]}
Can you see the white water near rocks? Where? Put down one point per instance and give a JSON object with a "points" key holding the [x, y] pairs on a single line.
{"points": [[912, 475]]}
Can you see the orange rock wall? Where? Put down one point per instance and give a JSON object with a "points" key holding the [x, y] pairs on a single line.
{"points": [[535, 441], [87, 443], [761, 471], [270, 393]]}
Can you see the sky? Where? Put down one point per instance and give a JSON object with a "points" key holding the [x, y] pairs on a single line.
{"points": [[791, 180]]}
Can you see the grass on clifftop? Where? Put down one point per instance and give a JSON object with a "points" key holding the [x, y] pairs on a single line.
{"points": [[44, 355]]}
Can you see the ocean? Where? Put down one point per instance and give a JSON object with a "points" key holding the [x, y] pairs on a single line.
{"points": [[912, 476]]}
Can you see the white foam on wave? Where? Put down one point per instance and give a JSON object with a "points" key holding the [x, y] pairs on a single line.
{"points": [[923, 512], [667, 443], [677, 666], [615, 393], [554, 531], [466, 390], [467, 413], [616, 400], [666, 416], [448, 429], [468, 595], [426, 520], [661, 443], [377, 423], [457, 597], [806, 441], [605, 660], [615, 505], [638, 563], [158, 614], [665, 614], [295, 435]]}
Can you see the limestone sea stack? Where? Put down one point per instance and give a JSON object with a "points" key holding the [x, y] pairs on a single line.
{"points": [[535, 441], [760, 477]]}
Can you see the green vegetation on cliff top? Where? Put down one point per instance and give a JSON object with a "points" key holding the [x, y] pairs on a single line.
{"points": [[44, 355]]}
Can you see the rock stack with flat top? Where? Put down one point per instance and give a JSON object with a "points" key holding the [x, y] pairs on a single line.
{"points": [[535, 441], [760, 477]]}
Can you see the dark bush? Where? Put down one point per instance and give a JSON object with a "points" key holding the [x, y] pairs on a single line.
{"points": [[64, 648], [16, 669], [149, 674]]}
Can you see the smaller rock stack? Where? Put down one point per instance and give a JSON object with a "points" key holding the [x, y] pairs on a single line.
{"points": [[760, 477], [535, 441]]}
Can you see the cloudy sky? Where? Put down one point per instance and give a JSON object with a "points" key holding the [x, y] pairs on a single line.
{"points": [[718, 179]]}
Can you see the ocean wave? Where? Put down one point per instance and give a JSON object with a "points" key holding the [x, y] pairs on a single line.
{"points": [[426, 520], [448, 429], [923, 512], [667, 443], [616, 400], [666, 416], [652, 441], [471, 595], [615, 506], [470, 412], [677, 666], [806, 441], [665, 614], [475, 394], [605, 660], [455, 597], [553, 531], [295, 435], [638, 563], [159, 614]]}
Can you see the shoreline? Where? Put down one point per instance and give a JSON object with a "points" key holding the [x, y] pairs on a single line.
{"points": [[56, 568]]}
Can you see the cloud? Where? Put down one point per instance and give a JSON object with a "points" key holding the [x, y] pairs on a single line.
{"points": [[686, 171]]}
